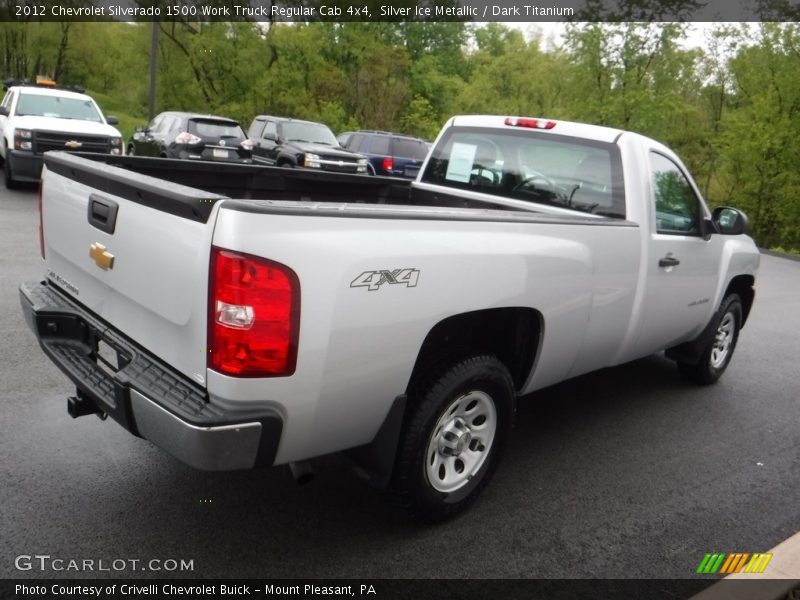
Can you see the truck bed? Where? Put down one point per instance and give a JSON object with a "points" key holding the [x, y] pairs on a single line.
{"points": [[198, 186]]}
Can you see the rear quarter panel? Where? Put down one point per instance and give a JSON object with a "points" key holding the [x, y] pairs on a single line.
{"points": [[358, 347]]}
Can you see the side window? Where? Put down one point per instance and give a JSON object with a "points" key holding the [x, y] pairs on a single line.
{"points": [[7, 100], [379, 144], [155, 124], [172, 125], [677, 206], [356, 143], [344, 139], [271, 129], [256, 127]]}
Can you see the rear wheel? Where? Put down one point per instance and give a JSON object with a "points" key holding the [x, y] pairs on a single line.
{"points": [[461, 413], [717, 354]]}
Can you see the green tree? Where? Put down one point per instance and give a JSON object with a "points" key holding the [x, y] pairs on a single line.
{"points": [[759, 143]]}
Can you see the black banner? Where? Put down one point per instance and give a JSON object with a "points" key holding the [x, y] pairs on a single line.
{"points": [[382, 589], [397, 10]]}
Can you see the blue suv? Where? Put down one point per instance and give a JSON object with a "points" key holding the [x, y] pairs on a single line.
{"points": [[390, 154]]}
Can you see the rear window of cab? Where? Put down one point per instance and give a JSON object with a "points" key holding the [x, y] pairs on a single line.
{"points": [[537, 167]]}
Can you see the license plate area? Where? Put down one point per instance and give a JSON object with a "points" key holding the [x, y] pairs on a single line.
{"points": [[217, 153], [108, 358]]}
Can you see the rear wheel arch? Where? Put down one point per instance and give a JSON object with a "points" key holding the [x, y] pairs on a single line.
{"points": [[511, 334]]}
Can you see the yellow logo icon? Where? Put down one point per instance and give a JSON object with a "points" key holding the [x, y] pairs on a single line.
{"points": [[102, 258]]}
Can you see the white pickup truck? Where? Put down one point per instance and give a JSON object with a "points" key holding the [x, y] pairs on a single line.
{"points": [[238, 316]]}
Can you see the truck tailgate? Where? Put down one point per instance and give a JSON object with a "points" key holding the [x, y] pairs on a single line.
{"points": [[144, 272]]}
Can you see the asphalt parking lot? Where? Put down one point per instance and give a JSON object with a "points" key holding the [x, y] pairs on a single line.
{"points": [[626, 473]]}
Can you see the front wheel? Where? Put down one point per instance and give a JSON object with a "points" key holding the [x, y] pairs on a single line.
{"points": [[718, 351], [460, 417]]}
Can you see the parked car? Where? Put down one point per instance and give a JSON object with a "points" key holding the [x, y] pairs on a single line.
{"points": [[192, 136], [391, 154], [284, 142], [37, 117], [291, 314]]}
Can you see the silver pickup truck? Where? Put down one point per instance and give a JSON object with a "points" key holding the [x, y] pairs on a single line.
{"points": [[238, 316]]}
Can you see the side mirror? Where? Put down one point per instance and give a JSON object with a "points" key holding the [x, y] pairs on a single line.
{"points": [[140, 129], [271, 137], [729, 221], [3, 111], [112, 120]]}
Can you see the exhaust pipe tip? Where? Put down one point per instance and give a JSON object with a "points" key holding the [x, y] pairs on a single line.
{"points": [[302, 472]]}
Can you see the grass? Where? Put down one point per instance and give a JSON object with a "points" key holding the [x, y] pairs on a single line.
{"points": [[128, 120], [790, 251]]}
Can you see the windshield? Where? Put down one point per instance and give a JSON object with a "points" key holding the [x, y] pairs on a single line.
{"points": [[216, 129], [308, 132], [532, 166], [58, 106]]}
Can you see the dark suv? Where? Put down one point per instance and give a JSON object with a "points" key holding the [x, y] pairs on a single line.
{"points": [[286, 142], [391, 154], [192, 136]]}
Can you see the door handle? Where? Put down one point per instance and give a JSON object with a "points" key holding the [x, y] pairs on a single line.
{"points": [[668, 261], [102, 213]]}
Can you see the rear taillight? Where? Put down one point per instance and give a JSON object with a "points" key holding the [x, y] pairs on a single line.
{"points": [[187, 138], [387, 164], [41, 219], [254, 316]]}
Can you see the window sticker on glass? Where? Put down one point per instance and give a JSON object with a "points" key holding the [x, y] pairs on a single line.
{"points": [[462, 157]]}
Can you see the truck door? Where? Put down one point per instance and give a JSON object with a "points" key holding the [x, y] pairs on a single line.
{"points": [[264, 146], [255, 133], [147, 144], [682, 268]]}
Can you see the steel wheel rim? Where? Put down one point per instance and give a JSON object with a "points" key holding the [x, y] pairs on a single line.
{"points": [[723, 340], [460, 441]]}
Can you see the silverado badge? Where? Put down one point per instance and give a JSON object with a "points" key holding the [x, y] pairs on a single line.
{"points": [[103, 259], [73, 144]]}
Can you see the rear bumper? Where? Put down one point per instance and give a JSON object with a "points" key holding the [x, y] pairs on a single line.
{"points": [[144, 395]]}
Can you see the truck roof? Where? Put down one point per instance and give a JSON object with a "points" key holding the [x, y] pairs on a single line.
{"points": [[569, 128], [45, 91]]}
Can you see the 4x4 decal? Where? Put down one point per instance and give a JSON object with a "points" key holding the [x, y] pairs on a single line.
{"points": [[372, 280]]}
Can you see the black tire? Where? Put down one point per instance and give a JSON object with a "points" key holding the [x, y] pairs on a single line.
{"points": [[717, 354], [286, 164], [452, 409], [8, 174]]}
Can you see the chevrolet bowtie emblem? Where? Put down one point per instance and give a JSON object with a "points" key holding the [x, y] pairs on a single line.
{"points": [[73, 144], [103, 259]]}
